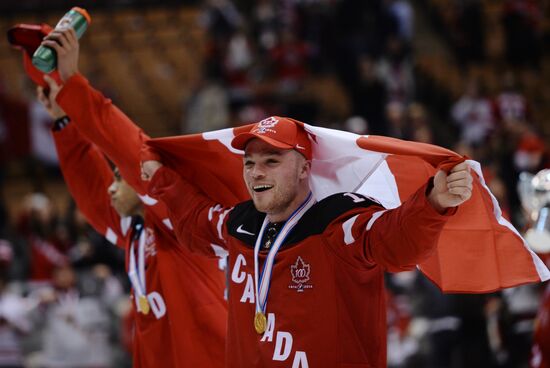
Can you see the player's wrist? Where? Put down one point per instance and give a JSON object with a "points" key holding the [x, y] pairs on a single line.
{"points": [[435, 200], [60, 123]]}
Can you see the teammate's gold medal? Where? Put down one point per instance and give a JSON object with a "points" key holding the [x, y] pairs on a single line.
{"points": [[143, 304], [260, 322]]}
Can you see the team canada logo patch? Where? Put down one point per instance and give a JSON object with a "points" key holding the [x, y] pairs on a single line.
{"points": [[300, 272], [267, 125]]}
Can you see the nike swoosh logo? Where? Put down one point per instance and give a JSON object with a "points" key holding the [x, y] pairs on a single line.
{"points": [[300, 147], [243, 231]]}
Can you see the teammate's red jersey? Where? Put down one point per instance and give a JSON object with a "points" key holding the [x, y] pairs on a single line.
{"points": [[186, 325], [326, 304]]}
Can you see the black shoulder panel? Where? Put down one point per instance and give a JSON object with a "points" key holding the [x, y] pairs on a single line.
{"points": [[316, 220], [245, 222]]}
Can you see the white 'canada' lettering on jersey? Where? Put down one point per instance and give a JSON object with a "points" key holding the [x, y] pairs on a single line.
{"points": [[283, 345], [283, 339]]}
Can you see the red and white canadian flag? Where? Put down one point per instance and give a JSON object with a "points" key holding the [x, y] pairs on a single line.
{"points": [[478, 250]]}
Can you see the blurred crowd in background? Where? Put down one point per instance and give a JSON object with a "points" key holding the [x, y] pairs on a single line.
{"points": [[470, 75]]}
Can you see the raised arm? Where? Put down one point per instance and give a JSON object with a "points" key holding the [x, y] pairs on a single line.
{"points": [[94, 115], [86, 172], [400, 238]]}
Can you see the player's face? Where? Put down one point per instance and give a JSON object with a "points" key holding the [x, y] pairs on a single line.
{"points": [[123, 198], [275, 178]]}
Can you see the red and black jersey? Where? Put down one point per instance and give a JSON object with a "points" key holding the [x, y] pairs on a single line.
{"points": [[186, 326], [326, 304]]}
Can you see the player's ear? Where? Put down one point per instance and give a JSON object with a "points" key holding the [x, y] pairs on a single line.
{"points": [[305, 168]]}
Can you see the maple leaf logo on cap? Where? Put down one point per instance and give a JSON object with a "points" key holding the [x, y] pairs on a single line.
{"points": [[266, 124]]}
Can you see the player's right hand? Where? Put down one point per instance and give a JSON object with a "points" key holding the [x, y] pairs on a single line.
{"points": [[452, 189], [65, 43]]}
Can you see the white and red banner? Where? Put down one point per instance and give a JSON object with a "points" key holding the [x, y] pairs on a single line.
{"points": [[478, 251]]}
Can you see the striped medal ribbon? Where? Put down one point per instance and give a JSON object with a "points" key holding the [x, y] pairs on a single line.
{"points": [[136, 272], [262, 288]]}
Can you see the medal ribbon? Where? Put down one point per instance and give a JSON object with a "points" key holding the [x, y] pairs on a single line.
{"points": [[137, 274], [262, 288]]}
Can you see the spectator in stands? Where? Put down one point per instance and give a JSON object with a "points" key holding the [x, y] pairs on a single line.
{"points": [[511, 106], [14, 129], [496, 184], [473, 114], [370, 96], [42, 145], [88, 248], [289, 61], [76, 327], [517, 323], [355, 28], [100, 282], [403, 346], [238, 59], [12, 247], [265, 24], [522, 21], [403, 12], [396, 71], [418, 122], [530, 154], [207, 108], [357, 125], [397, 121], [14, 314], [469, 34], [39, 225], [43, 160], [527, 152], [221, 18]]}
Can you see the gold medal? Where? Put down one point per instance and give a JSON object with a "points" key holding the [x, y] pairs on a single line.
{"points": [[143, 304], [260, 322]]}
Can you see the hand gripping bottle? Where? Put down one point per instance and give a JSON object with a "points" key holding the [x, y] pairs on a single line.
{"points": [[45, 58]]}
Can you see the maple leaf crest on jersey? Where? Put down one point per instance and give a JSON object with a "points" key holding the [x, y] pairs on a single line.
{"points": [[300, 275]]}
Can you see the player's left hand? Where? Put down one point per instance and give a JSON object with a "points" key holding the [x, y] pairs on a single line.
{"points": [[452, 189], [48, 100]]}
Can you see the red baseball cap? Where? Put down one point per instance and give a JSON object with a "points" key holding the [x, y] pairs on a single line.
{"points": [[278, 132]]}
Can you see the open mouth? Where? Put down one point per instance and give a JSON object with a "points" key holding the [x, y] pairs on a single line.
{"points": [[262, 188]]}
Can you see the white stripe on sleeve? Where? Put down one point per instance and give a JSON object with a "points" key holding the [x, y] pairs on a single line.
{"points": [[219, 251], [168, 223], [347, 226], [220, 223], [373, 219]]}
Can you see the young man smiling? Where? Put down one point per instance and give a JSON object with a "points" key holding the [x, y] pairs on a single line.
{"points": [[306, 286]]}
